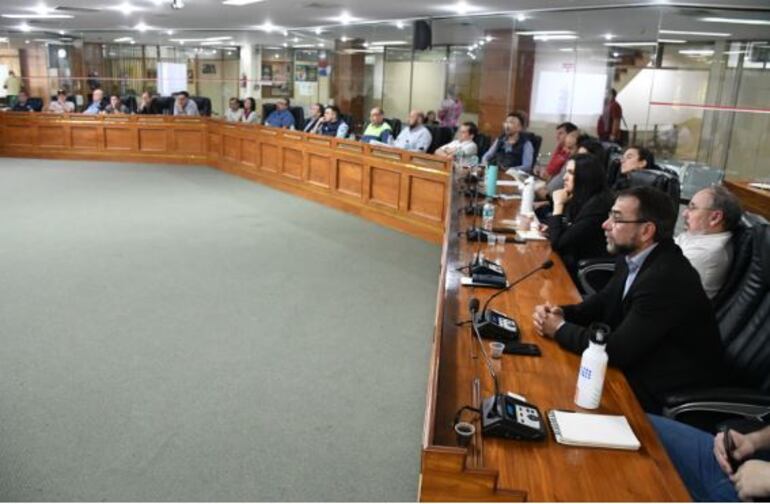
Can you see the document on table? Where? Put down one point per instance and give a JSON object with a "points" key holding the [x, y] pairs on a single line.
{"points": [[591, 430]]}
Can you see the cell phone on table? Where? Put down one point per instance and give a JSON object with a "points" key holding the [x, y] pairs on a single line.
{"points": [[729, 448]]}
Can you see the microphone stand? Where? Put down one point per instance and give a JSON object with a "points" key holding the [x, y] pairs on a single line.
{"points": [[474, 306]]}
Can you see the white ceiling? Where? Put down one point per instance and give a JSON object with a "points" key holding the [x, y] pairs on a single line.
{"points": [[102, 19]]}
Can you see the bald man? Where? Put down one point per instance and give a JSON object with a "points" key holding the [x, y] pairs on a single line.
{"points": [[377, 130], [415, 137]]}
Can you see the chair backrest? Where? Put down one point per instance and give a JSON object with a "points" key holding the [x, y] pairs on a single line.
{"points": [[665, 180], [203, 103], [299, 117], [742, 243], [441, 135], [395, 125], [130, 103], [744, 317], [483, 143], [537, 142], [162, 105], [36, 103], [267, 109]]}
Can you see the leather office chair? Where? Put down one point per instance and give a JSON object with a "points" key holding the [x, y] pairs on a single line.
{"points": [[130, 103], [537, 142], [395, 125], [441, 135], [483, 142], [204, 105], [743, 315], [36, 103], [162, 105]]}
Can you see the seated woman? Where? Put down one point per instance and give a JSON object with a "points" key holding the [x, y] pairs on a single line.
{"points": [[579, 209], [116, 106], [61, 105], [250, 111], [635, 158], [332, 124], [463, 145], [512, 151], [234, 113]]}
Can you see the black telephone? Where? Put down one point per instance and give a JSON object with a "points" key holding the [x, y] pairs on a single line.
{"points": [[507, 417]]}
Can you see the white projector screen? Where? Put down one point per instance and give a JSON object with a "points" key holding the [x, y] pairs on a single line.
{"points": [[172, 77], [560, 93]]}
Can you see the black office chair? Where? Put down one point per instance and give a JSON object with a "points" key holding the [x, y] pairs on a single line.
{"points": [[36, 103], [483, 143], [130, 103], [204, 105], [299, 117], [163, 105], [395, 125], [441, 135], [537, 142], [348, 119], [743, 315]]}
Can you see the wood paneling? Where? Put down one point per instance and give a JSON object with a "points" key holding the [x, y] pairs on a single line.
{"points": [[249, 153], [384, 187], [117, 138], [16, 134], [271, 157], [426, 198], [85, 138], [152, 140], [232, 148], [292, 163], [188, 141], [350, 177], [754, 200], [319, 170], [51, 136]]}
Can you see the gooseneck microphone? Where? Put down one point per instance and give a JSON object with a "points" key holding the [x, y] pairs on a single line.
{"points": [[473, 306], [492, 324]]}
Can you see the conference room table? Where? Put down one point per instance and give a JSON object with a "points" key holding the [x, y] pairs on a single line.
{"points": [[500, 469], [418, 194]]}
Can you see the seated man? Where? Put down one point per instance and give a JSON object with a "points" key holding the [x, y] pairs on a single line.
{"points": [[560, 153], [184, 105], [95, 107], [116, 106], [332, 124], [377, 129], [415, 136], [512, 150], [463, 145], [61, 105], [281, 117], [709, 221], [22, 103], [634, 158], [664, 333], [234, 112], [313, 123], [702, 462], [145, 104]]}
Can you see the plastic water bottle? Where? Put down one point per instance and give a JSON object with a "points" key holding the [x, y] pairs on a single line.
{"points": [[491, 180], [593, 367], [528, 197], [487, 214]]}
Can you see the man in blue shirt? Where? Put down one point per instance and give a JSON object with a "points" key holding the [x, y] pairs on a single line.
{"points": [[281, 117], [95, 106]]}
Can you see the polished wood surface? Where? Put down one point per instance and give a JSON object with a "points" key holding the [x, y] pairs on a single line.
{"points": [[752, 199], [540, 471], [399, 189]]}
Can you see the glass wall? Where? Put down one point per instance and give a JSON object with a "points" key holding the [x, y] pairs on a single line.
{"points": [[693, 82]]}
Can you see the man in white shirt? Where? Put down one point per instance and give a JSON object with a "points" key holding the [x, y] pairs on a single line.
{"points": [[463, 145], [710, 218], [234, 112], [184, 105], [415, 137]]}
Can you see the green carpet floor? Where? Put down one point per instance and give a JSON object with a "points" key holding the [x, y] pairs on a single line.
{"points": [[177, 333]]}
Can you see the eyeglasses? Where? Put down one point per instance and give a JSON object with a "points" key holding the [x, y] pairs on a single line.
{"points": [[615, 218], [692, 208]]}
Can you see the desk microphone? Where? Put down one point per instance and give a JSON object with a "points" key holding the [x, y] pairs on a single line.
{"points": [[492, 324]]}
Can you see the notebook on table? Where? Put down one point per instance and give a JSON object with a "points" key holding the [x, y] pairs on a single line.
{"points": [[592, 430]]}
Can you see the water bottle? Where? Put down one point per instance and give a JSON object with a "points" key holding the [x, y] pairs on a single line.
{"points": [[490, 181], [487, 214], [528, 197], [593, 367]]}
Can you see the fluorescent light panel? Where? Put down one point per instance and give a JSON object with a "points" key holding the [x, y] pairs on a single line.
{"points": [[546, 32], [630, 44], [388, 42], [758, 22], [239, 3], [37, 16], [671, 41], [695, 33]]}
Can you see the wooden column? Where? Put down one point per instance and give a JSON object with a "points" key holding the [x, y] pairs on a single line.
{"points": [[347, 82]]}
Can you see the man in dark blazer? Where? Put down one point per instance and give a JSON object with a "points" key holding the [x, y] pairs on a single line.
{"points": [[664, 333]]}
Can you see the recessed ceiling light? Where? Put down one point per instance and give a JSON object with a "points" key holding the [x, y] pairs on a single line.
{"points": [[318, 31], [759, 22], [567, 49], [169, 32], [295, 39], [547, 38], [546, 32], [126, 8], [400, 25], [344, 38], [140, 26], [24, 27], [697, 52], [609, 36], [389, 42], [461, 8], [630, 44], [285, 44], [123, 39], [520, 17], [695, 33], [489, 38], [61, 53], [267, 27], [671, 41], [238, 3], [37, 16], [345, 18]]}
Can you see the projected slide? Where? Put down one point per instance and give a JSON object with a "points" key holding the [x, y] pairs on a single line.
{"points": [[565, 93], [172, 77]]}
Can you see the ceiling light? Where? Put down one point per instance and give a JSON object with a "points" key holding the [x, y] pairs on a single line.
{"points": [[140, 26], [320, 44], [697, 52], [546, 32], [285, 44], [61, 53], [344, 38], [239, 3], [389, 42], [267, 26], [630, 44], [123, 39], [295, 39], [24, 27], [132, 42], [400, 25], [318, 31], [695, 33], [126, 8], [761, 22], [609, 36], [26, 41], [615, 54], [489, 38], [37, 16], [521, 18], [169, 32], [671, 41], [345, 18], [567, 49], [461, 8], [546, 38]]}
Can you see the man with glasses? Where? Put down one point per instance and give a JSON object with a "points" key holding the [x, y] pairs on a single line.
{"points": [[709, 221], [664, 334]]}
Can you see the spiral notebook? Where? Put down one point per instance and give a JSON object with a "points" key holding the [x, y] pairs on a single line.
{"points": [[591, 430]]}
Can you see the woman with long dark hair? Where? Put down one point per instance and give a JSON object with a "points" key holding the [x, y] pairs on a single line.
{"points": [[579, 209]]}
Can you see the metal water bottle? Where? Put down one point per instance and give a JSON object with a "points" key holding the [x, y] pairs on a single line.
{"points": [[593, 367]]}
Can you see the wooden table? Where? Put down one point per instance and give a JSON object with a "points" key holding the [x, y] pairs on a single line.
{"points": [[753, 199], [496, 469]]}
